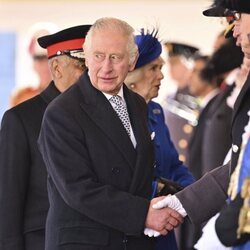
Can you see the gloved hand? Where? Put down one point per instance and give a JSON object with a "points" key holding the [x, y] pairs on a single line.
{"points": [[173, 202], [151, 233]]}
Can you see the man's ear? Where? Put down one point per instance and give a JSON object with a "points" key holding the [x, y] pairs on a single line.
{"points": [[132, 65], [56, 69]]}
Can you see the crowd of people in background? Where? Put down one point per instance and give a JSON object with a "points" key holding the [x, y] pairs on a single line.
{"points": [[89, 159]]}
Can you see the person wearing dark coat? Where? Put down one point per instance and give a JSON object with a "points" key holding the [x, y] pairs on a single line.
{"points": [[224, 63], [232, 224], [98, 153], [206, 90], [145, 80], [209, 194], [214, 122], [23, 177]]}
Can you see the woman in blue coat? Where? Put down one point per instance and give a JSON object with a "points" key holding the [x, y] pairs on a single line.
{"points": [[146, 80]]}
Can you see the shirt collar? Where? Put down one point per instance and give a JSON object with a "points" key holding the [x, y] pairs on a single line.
{"points": [[120, 93]]}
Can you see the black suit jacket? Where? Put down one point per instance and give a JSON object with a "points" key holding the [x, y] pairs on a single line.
{"points": [[210, 192], [196, 143], [99, 184], [240, 120], [23, 178], [217, 132]]}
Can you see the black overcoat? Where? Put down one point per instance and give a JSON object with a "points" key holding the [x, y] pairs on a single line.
{"points": [[99, 185], [217, 133], [23, 178]]}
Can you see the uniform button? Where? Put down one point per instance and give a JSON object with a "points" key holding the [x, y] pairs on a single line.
{"points": [[115, 170], [187, 128], [182, 157], [235, 148], [182, 143]]}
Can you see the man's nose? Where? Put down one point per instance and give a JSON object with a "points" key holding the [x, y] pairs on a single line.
{"points": [[107, 65]]}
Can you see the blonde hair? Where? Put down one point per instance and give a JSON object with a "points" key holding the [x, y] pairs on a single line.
{"points": [[114, 24]]}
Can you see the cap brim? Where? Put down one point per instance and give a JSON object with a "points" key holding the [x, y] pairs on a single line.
{"points": [[217, 11]]}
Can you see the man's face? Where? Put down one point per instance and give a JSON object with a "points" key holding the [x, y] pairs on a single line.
{"points": [[241, 32], [197, 85], [179, 71], [107, 59], [71, 71]]}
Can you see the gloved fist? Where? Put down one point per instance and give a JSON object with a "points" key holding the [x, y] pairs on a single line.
{"points": [[151, 233], [173, 202]]}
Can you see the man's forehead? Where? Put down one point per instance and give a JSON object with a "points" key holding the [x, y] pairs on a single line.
{"points": [[108, 44]]}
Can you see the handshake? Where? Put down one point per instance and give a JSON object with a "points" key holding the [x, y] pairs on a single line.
{"points": [[164, 214]]}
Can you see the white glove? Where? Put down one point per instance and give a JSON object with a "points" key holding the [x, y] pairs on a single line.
{"points": [[151, 233], [173, 202]]}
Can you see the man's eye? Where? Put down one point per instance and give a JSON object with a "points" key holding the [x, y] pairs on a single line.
{"points": [[99, 57], [115, 58]]}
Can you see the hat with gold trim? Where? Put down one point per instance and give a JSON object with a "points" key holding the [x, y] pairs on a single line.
{"points": [[66, 42]]}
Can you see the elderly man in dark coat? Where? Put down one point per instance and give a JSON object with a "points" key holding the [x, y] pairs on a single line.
{"points": [[23, 178]]}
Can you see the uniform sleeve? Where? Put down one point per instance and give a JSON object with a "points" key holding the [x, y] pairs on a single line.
{"points": [[206, 197], [14, 164], [63, 146], [227, 224]]}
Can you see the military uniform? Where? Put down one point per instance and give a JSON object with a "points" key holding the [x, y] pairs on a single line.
{"points": [[233, 224], [180, 109]]}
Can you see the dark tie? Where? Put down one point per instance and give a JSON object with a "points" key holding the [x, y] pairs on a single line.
{"points": [[121, 111]]}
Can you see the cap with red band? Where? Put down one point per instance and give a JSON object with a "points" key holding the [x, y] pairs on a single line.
{"points": [[74, 44], [65, 41]]}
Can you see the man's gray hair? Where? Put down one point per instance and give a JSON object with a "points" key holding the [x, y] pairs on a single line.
{"points": [[114, 24]]}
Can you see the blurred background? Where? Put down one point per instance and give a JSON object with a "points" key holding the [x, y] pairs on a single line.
{"points": [[177, 20]]}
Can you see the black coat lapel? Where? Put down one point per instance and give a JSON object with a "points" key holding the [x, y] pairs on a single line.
{"points": [[99, 109], [219, 99], [245, 89], [202, 120], [144, 160]]}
